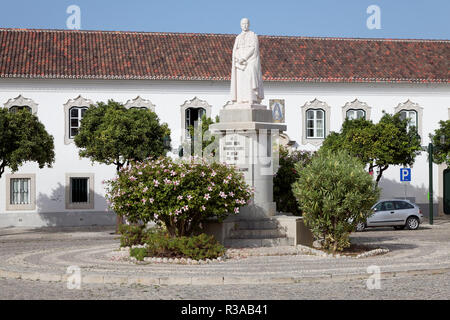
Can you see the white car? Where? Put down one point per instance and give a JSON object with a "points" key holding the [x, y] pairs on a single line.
{"points": [[397, 213]]}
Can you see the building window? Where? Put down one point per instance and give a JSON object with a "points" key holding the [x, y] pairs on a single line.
{"points": [[139, 103], [74, 110], [353, 114], [411, 115], [79, 191], [192, 111], [356, 110], [21, 103], [315, 123], [193, 116], [413, 112], [316, 119], [20, 192], [75, 116], [15, 109]]}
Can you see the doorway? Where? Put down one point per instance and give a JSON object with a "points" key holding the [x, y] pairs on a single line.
{"points": [[446, 174]]}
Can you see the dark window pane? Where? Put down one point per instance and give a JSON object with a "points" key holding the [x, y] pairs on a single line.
{"points": [[83, 111], [74, 112], [73, 132], [74, 122], [79, 189]]}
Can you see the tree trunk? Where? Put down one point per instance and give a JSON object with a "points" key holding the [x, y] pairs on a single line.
{"points": [[119, 220]]}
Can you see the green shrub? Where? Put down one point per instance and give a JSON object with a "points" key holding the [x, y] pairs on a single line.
{"points": [[177, 194], [131, 235], [335, 193], [286, 175], [159, 244]]}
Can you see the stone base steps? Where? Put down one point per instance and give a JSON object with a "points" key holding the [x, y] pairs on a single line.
{"points": [[257, 233], [253, 243]]}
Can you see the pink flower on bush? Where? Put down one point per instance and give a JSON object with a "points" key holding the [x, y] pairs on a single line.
{"points": [[144, 200], [236, 210], [132, 178], [180, 198], [209, 188], [189, 197], [231, 194], [213, 174], [155, 182], [145, 189], [151, 200], [140, 172], [206, 196], [203, 208], [176, 182], [222, 194], [167, 181], [182, 175], [225, 181]]}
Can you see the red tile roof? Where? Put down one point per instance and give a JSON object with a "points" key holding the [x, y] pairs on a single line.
{"points": [[30, 53]]}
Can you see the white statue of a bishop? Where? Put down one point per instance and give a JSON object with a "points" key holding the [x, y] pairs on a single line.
{"points": [[246, 76]]}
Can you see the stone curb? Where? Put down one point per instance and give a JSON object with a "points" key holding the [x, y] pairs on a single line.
{"points": [[206, 281]]}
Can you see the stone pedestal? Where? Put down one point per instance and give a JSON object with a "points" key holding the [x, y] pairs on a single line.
{"points": [[247, 139]]}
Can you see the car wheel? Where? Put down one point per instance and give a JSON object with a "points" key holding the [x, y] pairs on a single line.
{"points": [[412, 223], [399, 227], [360, 226]]}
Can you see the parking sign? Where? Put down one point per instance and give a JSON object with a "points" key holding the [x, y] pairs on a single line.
{"points": [[405, 174]]}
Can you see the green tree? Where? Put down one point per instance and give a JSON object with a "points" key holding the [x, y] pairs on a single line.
{"points": [[441, 142], [335, 193], [111, 134], [389, 142], [23, 138], [286, 175]]}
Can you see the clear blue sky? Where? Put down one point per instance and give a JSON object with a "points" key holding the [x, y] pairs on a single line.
{"points": [[423, 19]]}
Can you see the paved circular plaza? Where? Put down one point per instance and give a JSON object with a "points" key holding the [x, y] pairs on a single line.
{"points": [[46, 255]]}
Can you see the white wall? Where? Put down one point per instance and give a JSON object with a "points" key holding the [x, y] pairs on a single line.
{"points": [[168, 96]]}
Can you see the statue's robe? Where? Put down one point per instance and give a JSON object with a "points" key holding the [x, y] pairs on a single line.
{"points": [[246, 79]]}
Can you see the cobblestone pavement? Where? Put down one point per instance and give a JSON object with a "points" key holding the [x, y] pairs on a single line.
{"points": [[411, 287], [33, 254]]}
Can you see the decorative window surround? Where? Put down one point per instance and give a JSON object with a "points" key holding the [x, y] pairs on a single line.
{"points": [[193, 103], [87, 205], [138, 102], [315, 104], [409, 105], [78, 102], [21, 101], [32, 192], [355, 105]]}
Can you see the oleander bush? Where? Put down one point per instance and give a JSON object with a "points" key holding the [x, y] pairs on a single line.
{"points": [[335, 192], [178, 195], [286, 175]]}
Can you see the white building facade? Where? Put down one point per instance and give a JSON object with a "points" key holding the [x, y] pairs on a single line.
{"points": [[34, 197]]}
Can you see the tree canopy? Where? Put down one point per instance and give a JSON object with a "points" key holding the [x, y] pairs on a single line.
{"points": [[112, 134], [389, 142], [441, 142], [23, 138]]}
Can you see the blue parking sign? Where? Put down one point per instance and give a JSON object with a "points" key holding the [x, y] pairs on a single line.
{"points": [[405, 174]]}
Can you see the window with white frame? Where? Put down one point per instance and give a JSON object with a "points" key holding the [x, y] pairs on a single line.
{"points": [[75, 116], [412, 117], [414, 113], [193, 118], [21, 103], [139, 103], [316, 119], [74, 111], [353, 114], [20, 192], [315, 123], [191, 112]]}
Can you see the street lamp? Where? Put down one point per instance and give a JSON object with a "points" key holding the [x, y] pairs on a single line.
{"points": [[430, 160]]}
